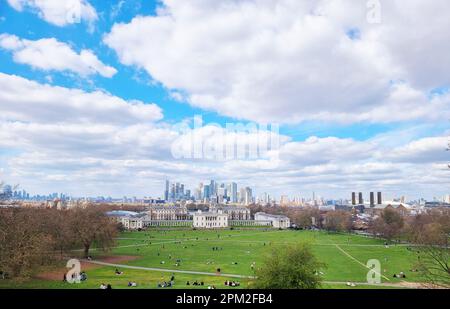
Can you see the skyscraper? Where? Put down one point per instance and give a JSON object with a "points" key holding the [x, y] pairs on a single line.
{"points": [[166, 192], [233, 192], [360, 198]]}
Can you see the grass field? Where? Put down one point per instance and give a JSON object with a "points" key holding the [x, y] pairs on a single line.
{"points": [[345, 257]]}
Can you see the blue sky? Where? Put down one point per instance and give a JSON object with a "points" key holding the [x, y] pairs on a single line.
{"points": [[229, 67]]}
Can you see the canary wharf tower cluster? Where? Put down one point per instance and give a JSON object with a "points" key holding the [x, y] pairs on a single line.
{"points": [[211, 192]]}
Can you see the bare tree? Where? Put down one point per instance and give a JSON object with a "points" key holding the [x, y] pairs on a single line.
{"points": [[91, 226], [389, 224], [338, 221], [23, 245], [430, 232]]}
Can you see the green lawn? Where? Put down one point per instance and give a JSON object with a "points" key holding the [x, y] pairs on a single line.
{"points": [[345, 257]]}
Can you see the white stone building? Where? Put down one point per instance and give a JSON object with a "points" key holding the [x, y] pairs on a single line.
{"points": [[278, 221], [210, 220], [168, 213], [233, 212], [132, 223]]}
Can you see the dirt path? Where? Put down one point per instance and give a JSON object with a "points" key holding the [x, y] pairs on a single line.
{"points": [[102, 263], [58, 274]]}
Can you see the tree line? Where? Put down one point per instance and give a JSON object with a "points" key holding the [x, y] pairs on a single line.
{"points": [[428, 233], [31, 238]]}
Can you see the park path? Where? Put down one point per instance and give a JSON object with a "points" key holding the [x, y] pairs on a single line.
{"points": [[359, 262], [191, 272]]}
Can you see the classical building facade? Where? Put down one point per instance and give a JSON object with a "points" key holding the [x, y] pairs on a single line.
{"points": [[233, 212], [278, 221], [168, 213], [210, 220]]}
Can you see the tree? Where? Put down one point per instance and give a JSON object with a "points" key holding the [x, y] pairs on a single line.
{"points": [[56, 224], [303, 218], [389, 224], [338, 221], [90, 225], [430, 232], [23, 245], [290, 267]]}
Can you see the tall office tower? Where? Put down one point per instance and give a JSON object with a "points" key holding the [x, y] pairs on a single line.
{"points": [[182, 190], [360, 198], [241, 197], [177, 190], [188, 194], [372, 199], [379, 199], [206, 191], [265, 198], [353, 198], [222, 194], [198, 194], [248, 196], [212, 188], [233, 192], [166, 192], [172, 192]]}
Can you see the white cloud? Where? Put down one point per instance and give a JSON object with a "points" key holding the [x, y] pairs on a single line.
{"points": [[58, 12], [424, 150], [28, 101], [289, 61], [50, 54]]}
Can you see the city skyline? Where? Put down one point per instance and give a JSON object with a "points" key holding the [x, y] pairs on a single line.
{"points": [[107, 100], [224, 193]]}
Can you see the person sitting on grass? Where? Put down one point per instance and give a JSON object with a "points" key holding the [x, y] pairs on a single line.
{"points": [[83, 276], [132, 284], [103, 286], [118, 272]]}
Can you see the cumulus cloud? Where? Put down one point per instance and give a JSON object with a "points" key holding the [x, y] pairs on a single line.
{"points": [[290, 61], [59, 13], [50, 54], [51, 104]]}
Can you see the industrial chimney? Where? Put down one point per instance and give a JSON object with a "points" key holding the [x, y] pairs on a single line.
{"points": [[372, 199]]}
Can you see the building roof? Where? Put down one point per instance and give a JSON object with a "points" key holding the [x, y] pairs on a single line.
{"points": [[272, 216]]}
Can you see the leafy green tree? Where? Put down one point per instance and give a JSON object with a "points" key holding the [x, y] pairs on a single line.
{"points": [[290, 267]]}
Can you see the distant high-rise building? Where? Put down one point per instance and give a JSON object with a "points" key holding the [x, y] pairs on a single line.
{"points": [[353, 198], [206, 191], [379, 199], [248, 196], [166, 192], [233, 192], [372, 199], [360, 198], [212, 188]]}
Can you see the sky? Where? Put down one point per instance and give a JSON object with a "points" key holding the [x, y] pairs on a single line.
{"points": [[104, 97]]}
